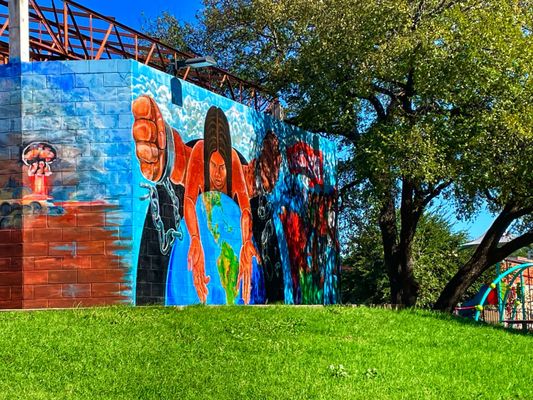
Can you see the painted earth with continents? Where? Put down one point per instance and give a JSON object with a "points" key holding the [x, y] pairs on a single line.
{"points": [[221, 240]]}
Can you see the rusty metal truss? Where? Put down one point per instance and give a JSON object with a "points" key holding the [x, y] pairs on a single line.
{"points": [[71, 31]]}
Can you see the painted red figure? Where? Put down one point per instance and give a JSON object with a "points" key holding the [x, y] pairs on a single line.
{"points": [[224, 173], [38, 157]]}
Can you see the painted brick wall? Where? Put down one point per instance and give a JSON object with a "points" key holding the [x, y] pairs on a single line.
{"points": [[265, 233], [97, 163], [11, 247], [69, 243]]}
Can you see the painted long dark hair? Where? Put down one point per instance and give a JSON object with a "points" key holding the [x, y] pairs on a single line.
{"points": [[217, 138]]}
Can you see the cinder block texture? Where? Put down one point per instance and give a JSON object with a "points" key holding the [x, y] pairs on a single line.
{"points": [[66, 172], [122, 184]]}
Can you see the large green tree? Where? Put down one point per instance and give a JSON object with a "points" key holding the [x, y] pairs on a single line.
{"points": [[437, 254], [432, 97]]}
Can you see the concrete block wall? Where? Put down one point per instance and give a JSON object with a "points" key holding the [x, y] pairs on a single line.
{"points": [[266, 233], [68, 237], [11, 262], [11, 243], [84, 221]]}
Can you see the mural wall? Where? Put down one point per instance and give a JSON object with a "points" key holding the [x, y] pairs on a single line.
{"points": [[238, 208], [121, 184], [65, 185]]}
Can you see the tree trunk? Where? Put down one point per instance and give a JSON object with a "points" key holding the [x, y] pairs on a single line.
{"points": [[408, 283], [404, 287], [397, 247], [461, 281], [487, 254], [410, 215], [387, 226]]}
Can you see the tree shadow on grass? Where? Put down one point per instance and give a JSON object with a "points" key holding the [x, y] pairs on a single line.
{"points": [[465, 321]]}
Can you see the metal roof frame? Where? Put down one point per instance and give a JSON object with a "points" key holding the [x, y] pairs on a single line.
{"points": [[75, 32]]}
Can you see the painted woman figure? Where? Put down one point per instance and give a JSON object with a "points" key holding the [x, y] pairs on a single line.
{"points": [[266, 173], [210, 165]]}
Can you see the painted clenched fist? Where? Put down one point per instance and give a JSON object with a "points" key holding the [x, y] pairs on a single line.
{"points": [[150, 137]]}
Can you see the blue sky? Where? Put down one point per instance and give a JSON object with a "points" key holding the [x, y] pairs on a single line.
{"points": [[474, 228], [134, 12]]}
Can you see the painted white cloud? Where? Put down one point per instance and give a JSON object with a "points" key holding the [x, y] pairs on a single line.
{"points": [[243, 135], [190, 119], [149, 86]]}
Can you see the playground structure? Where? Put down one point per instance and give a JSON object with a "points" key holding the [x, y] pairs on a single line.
{"points": [[508, 300]]}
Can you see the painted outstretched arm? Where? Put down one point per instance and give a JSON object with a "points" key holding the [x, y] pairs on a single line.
{"points": [[248, 250], [194, 183], [152, 144]]}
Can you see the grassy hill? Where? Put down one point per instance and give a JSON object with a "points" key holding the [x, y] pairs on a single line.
{"points": [[258, 353]]}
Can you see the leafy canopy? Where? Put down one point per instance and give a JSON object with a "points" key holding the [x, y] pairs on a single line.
{"points": [[431, 90]]}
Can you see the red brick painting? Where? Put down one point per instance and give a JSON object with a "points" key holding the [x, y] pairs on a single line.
{"points": [[56, 254], [70, 259], [65, 260]]}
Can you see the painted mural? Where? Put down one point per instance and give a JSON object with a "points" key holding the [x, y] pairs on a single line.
{"points": [[38, 157], [121, 184], [241, 207], [65, 210]]}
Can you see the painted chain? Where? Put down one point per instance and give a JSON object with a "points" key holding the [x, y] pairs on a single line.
{"points": [[166, 236]]}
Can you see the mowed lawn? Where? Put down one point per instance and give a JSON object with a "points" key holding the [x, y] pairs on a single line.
{"points": [[278, 352]]}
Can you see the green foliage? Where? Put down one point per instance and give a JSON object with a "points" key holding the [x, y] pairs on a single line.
{"points": [[258, 353], [168, 29], [436, 257], [364, 276], [431, 97], [526, 252]]}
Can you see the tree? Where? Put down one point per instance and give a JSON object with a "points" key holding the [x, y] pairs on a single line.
{"points": [[171, 31], [436, 258], [431, 96]]}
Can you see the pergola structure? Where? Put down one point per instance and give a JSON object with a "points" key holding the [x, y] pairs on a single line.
{"points": [[70, 31]]}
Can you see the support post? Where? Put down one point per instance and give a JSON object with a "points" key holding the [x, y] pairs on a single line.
{"points": [[499, 293], [523, 301], [19, 31]]}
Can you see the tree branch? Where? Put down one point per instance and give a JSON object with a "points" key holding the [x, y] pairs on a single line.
{"points": [[442, 6], [409, 210], [349, 186], [490, 196], [401, 85], [383, 90], [434, 192], [418, 15], [380, 111], [514, 245], [392, 104], [406, 97], [509, 213]]}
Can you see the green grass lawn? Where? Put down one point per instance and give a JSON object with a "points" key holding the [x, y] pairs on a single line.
{"points": [[258, 353]]}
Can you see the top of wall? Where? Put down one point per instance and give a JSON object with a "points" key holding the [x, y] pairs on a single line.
{"points": [[125, 73]]}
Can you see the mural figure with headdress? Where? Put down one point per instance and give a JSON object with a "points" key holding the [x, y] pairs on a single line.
{"points": [[209, 168]]}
